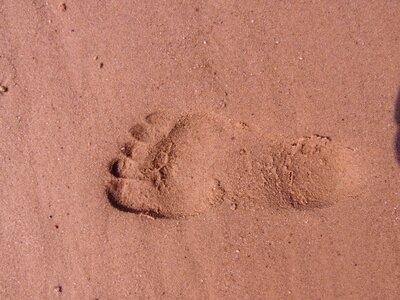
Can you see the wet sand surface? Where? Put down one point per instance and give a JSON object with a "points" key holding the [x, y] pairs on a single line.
{"points": [[74, 81]]}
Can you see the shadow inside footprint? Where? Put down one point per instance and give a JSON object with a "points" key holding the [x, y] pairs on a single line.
{"points": [[397, 120]]}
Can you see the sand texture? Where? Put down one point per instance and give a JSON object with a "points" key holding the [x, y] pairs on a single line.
{"points": [[199, 149]]}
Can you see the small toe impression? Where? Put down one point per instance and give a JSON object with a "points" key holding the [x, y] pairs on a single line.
{"points": [[140, 132], [135, 150], [124, 168]]}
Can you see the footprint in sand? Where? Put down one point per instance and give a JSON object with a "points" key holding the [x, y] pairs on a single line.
{"points": [[180, 166]]}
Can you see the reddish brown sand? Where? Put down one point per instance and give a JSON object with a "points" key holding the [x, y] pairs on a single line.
{"points": [[272, 173]]}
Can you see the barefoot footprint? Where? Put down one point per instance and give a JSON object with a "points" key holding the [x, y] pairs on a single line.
{"points": [[180, 166]]}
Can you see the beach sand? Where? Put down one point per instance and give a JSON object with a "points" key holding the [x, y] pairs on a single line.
{"points": [[199, 149]]}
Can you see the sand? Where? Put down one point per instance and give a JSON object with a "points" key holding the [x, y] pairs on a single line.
{"points": [[199, 150]]}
